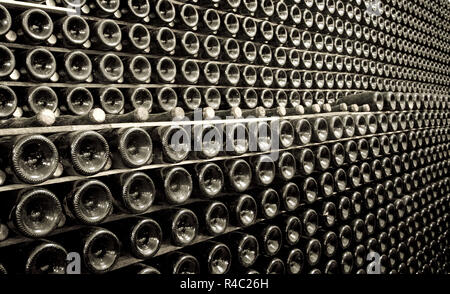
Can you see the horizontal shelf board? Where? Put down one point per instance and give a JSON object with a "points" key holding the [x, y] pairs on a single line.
{"points": [[92, 127], [45, 7]]}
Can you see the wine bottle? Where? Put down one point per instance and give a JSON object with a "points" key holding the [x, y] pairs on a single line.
{"points": [[137, 69], [243, 210], [213, 217], [40, 64], [142, 236], [35, 25], [31, 158], [130, 147], [136, 37], [207, 140], [89, 202], [99, 248], [286, 166], [83, 152], [182, 263], [264, 169], [171, 143], [268, 202], [8, 60], [214, 257], [77, 66], [40, 257], [177, 184], [106, 34], [73, 30], [180, 225], [136, 192], [244, 248], [108, 68], [35, 213], [79, 101], [5, 20], [238, 174]]}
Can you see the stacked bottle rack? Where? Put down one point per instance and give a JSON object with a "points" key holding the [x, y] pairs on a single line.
{"points": [[323, 136]]}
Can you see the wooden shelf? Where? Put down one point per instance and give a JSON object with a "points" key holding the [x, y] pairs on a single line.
{"points": [[45, 7], [97, 127]]}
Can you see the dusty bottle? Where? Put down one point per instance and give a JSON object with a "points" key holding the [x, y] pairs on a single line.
{"points": [[244, 248], [182, 263], [210, 179], [99, 248], [35, 213], [180, 226], [136, 192], [84, 153], [214, 257], [142, 236], [213, 217], [171, 143], [90, 202], [177, 184], [31, 158], [73, 30], [35, 25], [243, 210]]}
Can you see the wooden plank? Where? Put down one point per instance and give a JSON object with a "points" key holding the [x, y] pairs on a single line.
{"points": [[45, 7]]}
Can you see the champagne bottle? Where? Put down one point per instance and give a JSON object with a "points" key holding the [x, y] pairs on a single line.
{"points": [[213, 217], [77, 66], [264, 168], [130, 147], [292, 229], [35, 213], [106, 34], [83, 152], [99, 248], [42, 257], [8, 101], [40, 64], [31, 158], [180, 226], [136, 37], [79, 101], [177, 184], [243, 210], [171, 143], [207, 140], [182, 263], [89, 202], [5, 20], [136, 192], [286, 166], [142, 236], [73, 30], [268, 203], [244, 248], [290, 196], [7, 60], [111, 99], [214, 257], [238, 174], [35, 25], [108, 68]]}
